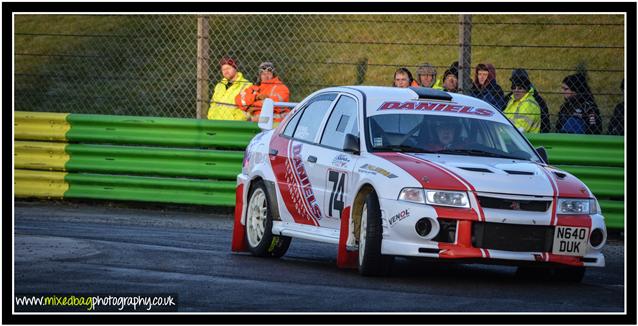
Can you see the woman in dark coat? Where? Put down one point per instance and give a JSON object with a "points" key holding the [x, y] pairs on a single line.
{"points": [[485, 86], [579, 113]]}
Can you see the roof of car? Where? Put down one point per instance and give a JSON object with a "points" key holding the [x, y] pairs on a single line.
{"points": [[384, 100]]}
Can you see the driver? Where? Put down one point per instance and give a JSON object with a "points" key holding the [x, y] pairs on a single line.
{"points": [[447, 134]]}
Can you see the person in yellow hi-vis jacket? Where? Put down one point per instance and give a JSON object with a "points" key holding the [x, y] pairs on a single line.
{"points": [[222, 105], [522, 109]]}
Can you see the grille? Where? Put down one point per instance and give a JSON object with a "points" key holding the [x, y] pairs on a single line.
{"points": [[514, 204], [512, 237], [447, 232]]}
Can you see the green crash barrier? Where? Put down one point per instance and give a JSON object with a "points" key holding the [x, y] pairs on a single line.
{"points": [[590, 150], [193, 161], [171, 132], [166, 190], [613, 212]]}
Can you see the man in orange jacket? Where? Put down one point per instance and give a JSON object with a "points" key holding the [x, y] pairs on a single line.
{"points": [[268, 86]]}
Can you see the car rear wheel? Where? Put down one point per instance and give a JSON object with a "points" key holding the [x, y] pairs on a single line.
{"points": [[261, 241], [371, 261]]}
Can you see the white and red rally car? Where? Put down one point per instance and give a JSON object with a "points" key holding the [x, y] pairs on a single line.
{"points": [[385, 172]]}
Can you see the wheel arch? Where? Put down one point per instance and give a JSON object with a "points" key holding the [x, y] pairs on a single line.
{"points": [[271, 195], [357, 208]]}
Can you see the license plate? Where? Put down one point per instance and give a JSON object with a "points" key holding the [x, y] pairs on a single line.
{"points": [[570, 241]]}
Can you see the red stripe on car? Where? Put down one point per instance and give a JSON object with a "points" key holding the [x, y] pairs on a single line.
{"points": [[569, 186], [428, 175], [280, 167], [456, 213], [555, 196], [583, 221], [567, 260]]}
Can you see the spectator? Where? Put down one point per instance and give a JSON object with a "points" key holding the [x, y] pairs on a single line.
{"points": [[451, 78], [268, 86], [485, 86], [579, 113], [545, 121], [222, 106], [426, 74], [403, 78], [617, 121], [522, 109]]}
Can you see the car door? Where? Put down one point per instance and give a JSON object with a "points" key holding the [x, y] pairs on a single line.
{"points": [[334, 165], [293, 157]]}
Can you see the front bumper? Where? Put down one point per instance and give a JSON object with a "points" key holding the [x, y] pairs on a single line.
{"points": [[401, 239]]}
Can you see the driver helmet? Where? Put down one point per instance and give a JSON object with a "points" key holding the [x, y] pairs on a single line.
{"points": [[449, 122]]}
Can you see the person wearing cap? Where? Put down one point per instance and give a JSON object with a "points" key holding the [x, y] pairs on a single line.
{"points": [[222, 104], [403, 78], [579, 113], [451, 78], [617, 121], [485, 86], [521, 74], [426, 75], [522, 109], [268, 86]]}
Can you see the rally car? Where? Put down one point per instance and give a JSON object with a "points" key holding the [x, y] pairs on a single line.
{"points": [[413, 172]]}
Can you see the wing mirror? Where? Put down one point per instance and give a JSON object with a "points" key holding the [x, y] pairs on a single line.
{"points": [[266, 115], [542, 153], [351, 144]]}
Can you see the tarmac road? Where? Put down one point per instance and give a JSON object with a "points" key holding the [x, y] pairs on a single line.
{"points": [[99, 247]]}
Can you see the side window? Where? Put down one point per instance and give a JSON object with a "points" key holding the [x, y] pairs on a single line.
{"points": [[342, 121], [313, 114], [290, 127]]}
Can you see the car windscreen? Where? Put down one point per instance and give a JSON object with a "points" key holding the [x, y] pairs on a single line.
{"points": [[422, 133]]}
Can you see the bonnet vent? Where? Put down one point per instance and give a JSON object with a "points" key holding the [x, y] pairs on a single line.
{"points": [[476, 169], [519, 172], [431, 94]]}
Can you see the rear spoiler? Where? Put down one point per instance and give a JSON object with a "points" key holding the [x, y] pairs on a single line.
{"points": [[267, 112]]}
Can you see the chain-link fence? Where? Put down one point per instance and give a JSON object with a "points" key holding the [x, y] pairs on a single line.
{"points": [[168, 65]]}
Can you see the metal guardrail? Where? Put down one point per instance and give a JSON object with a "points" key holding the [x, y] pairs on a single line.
{"points": [[194, 161]]}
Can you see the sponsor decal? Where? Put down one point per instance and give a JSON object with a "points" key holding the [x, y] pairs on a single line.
{"points": [[371, 169], [248, 154], [263, 119], [399, 216], [341, 160], [435, 106], [303, 197]]}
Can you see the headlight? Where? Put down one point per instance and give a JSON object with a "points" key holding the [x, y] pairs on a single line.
{"points": [[447, 198], [577, 206], [414, 195]]}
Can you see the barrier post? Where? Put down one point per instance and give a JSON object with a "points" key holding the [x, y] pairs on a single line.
{"points": [[202, 67]]}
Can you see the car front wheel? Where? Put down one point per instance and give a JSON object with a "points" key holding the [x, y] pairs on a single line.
{"points": [[371, 261], [261, 241]]}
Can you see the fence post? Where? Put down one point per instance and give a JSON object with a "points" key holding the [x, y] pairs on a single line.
{"points": [[465, 53], [202, 67]]}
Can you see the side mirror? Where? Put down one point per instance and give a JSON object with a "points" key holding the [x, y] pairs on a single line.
{"points": [[542, 153], [351, 144], [266, 115]]}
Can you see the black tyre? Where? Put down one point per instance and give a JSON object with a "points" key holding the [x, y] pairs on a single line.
{"points": [[568, 274], [261, 242], [371, 261]]}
